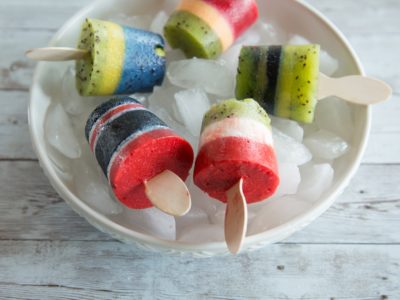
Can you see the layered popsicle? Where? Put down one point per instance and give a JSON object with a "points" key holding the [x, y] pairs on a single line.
{"points": [[133, 145], [236, 142], [206, 28], [283, 79], [121, 60]]}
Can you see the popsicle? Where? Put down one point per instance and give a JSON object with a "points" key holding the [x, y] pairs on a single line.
{"points": [[206, 28], [112, 59], [133, 146], [236, 145], [286, 81]]}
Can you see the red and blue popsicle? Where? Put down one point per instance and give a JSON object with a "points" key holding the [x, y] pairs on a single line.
{"points": [[132, 146]]}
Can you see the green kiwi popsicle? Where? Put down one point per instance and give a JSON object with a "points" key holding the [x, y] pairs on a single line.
{"points": [[283, 79]]}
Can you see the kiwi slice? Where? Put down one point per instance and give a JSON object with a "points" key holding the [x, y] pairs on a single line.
{"points": [[283, 80], [246, 79], [192, 35], [247, 108], [258, 73], [298, 81], [100, 71]]}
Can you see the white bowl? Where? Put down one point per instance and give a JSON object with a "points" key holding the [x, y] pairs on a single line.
{"points": [[294, 17]]}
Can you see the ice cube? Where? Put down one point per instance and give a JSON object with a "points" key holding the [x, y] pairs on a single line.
{"points": [[151, 221], [270, 34], [289, 180], [276, 212], [334, 115], [298, 40], [309, 129], [61, 163], [288, 127], [207, 233], [326, 145], [158, 23], [192, 105], [59, 132], [142, 98], [51, 80], [213, 76], [231, 57], [196, 217], [170, 5], [164, 98], [92, 187], [175, 55], [328, 64], [176, 126], [140, 21], [315, 180], [72, 102], [250, 37], [218, 217], [289, 150], [201, 200]]}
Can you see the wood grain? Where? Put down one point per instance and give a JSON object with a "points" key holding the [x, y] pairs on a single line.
{"points": [[91, 270], [14, 131]]}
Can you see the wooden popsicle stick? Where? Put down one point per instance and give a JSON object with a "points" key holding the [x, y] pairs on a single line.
{"points": [[235, 218], [356, 89], [169, 193], [56, 54]]}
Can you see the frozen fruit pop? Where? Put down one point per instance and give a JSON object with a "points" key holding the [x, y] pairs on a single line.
{"points": [[236, 142], [206, 28], [283, 79], [121, 60], [236, 163], [132, 146]]}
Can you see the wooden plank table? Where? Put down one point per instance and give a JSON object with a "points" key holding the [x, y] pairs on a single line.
{"points": [[49, 252]]}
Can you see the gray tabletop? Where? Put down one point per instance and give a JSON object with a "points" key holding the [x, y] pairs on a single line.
{"points": [[49, 252]]}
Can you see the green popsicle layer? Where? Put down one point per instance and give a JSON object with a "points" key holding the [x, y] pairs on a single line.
{"points": [[192, 35], [92, 71], [283, 80], [247, 108]]}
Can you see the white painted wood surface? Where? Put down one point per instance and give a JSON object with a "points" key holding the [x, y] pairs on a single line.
{"points": [[48, 252]]}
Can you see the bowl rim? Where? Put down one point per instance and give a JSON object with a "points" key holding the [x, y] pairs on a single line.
{"points": [[130, 236]]}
